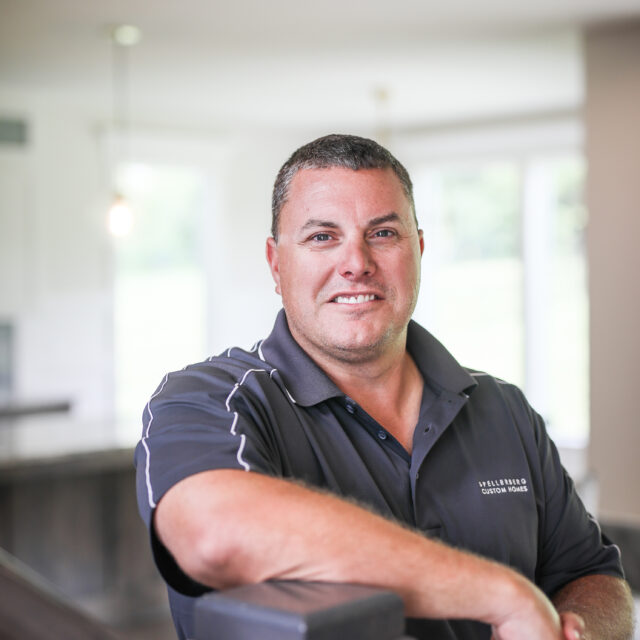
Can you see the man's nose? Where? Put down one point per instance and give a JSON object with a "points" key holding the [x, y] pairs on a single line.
{"points": [[356, 259]]}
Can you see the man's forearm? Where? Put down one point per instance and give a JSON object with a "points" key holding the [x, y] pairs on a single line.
{"points": [[603, 602], [231, 527]]}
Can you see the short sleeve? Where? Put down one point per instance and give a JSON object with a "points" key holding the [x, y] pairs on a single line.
{"points": [[199, 419], [571, 544]]}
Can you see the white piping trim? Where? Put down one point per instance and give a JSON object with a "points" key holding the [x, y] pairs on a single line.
{"points": [[476, 374], [260, 351], [290, 396], [147, 470], [232, 430], [234, 423], [243, 440], [147, 475]]}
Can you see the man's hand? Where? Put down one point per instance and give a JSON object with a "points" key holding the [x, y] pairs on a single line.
{"points": [[591, 608], [529, 616], [573, 625]]}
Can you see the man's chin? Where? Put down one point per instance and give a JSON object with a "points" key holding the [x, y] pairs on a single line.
{"points": [[344, 342], [356, 351]]}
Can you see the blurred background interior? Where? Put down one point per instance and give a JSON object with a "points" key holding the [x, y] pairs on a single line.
{"points": [[519, 123]]}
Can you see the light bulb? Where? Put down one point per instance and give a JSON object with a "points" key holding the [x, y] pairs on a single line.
{"points": [[120, 217], [126, 35]]}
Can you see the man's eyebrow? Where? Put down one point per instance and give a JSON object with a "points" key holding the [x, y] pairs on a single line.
{"points": [[390, 217], [314, 223]]}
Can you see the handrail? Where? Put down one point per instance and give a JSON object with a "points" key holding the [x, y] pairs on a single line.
{"points": [[300, 611], [33, 408], [32, 609]]}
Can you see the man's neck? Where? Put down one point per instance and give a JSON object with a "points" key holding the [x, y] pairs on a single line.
{"points": [[384, 376], [384, 367], [389, 388]]}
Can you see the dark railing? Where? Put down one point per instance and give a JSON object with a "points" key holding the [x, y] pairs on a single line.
{"points": [[30, 609], [34, 408], [300, 611]]}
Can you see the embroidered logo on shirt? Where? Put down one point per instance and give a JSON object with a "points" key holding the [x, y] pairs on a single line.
{"points": [[503, 485]]}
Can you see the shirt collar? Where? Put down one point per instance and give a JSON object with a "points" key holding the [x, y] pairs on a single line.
{"points": [[309, 385], [438, 367], [304, 379]]}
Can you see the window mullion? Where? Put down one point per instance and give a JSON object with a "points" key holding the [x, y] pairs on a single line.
{"points": [[537, 221]]}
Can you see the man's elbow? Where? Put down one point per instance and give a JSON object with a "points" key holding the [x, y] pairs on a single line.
{"points": [[211, 561], [208, 554], [220, 526]]}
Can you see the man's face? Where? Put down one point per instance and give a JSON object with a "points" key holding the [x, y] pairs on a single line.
{"points": [[347, 262]]}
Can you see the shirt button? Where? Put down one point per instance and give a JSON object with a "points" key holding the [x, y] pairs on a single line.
{"points": [[351, 408], [382, 434]]}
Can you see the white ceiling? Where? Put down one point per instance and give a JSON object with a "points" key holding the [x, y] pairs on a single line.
{"points": [[301, 63]]}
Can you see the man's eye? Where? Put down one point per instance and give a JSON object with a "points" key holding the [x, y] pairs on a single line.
{"points": [[384, 233], [321, 237]]}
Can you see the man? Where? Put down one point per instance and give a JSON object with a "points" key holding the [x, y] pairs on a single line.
{"points": [[350, 445]]}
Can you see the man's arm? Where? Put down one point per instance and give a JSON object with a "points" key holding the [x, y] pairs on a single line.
{"points": [[228, 527], [603, 604]]}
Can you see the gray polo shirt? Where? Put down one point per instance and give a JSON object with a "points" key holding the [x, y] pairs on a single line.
{"points": [[483, 475]]}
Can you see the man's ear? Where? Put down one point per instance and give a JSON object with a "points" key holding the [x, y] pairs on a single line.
{"points": [[274, 264], [421, 237]]}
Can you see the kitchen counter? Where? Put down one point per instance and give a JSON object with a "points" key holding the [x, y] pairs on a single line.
{"points": [[46, 442]]}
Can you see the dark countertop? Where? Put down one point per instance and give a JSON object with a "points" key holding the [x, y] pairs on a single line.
{"points": [[58, 443]]}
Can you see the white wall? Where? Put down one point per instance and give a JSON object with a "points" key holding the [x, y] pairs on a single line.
{"points": [[242, 301], [56, 282]]}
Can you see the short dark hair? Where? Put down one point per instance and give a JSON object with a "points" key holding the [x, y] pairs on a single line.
{"points": [[336, 150]]}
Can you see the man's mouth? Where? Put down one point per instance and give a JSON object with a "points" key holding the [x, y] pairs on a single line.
{"points": [[359, 299]]}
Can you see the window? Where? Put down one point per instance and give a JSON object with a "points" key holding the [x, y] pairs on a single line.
{"points": [[568, 353], [160, 303], [504, 278], [472, 270]]}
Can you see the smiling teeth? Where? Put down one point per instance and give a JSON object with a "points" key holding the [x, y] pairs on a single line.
{"points": [[355, 299]]}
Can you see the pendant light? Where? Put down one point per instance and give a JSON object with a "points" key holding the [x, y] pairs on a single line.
{"points": [[123, 37]]}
